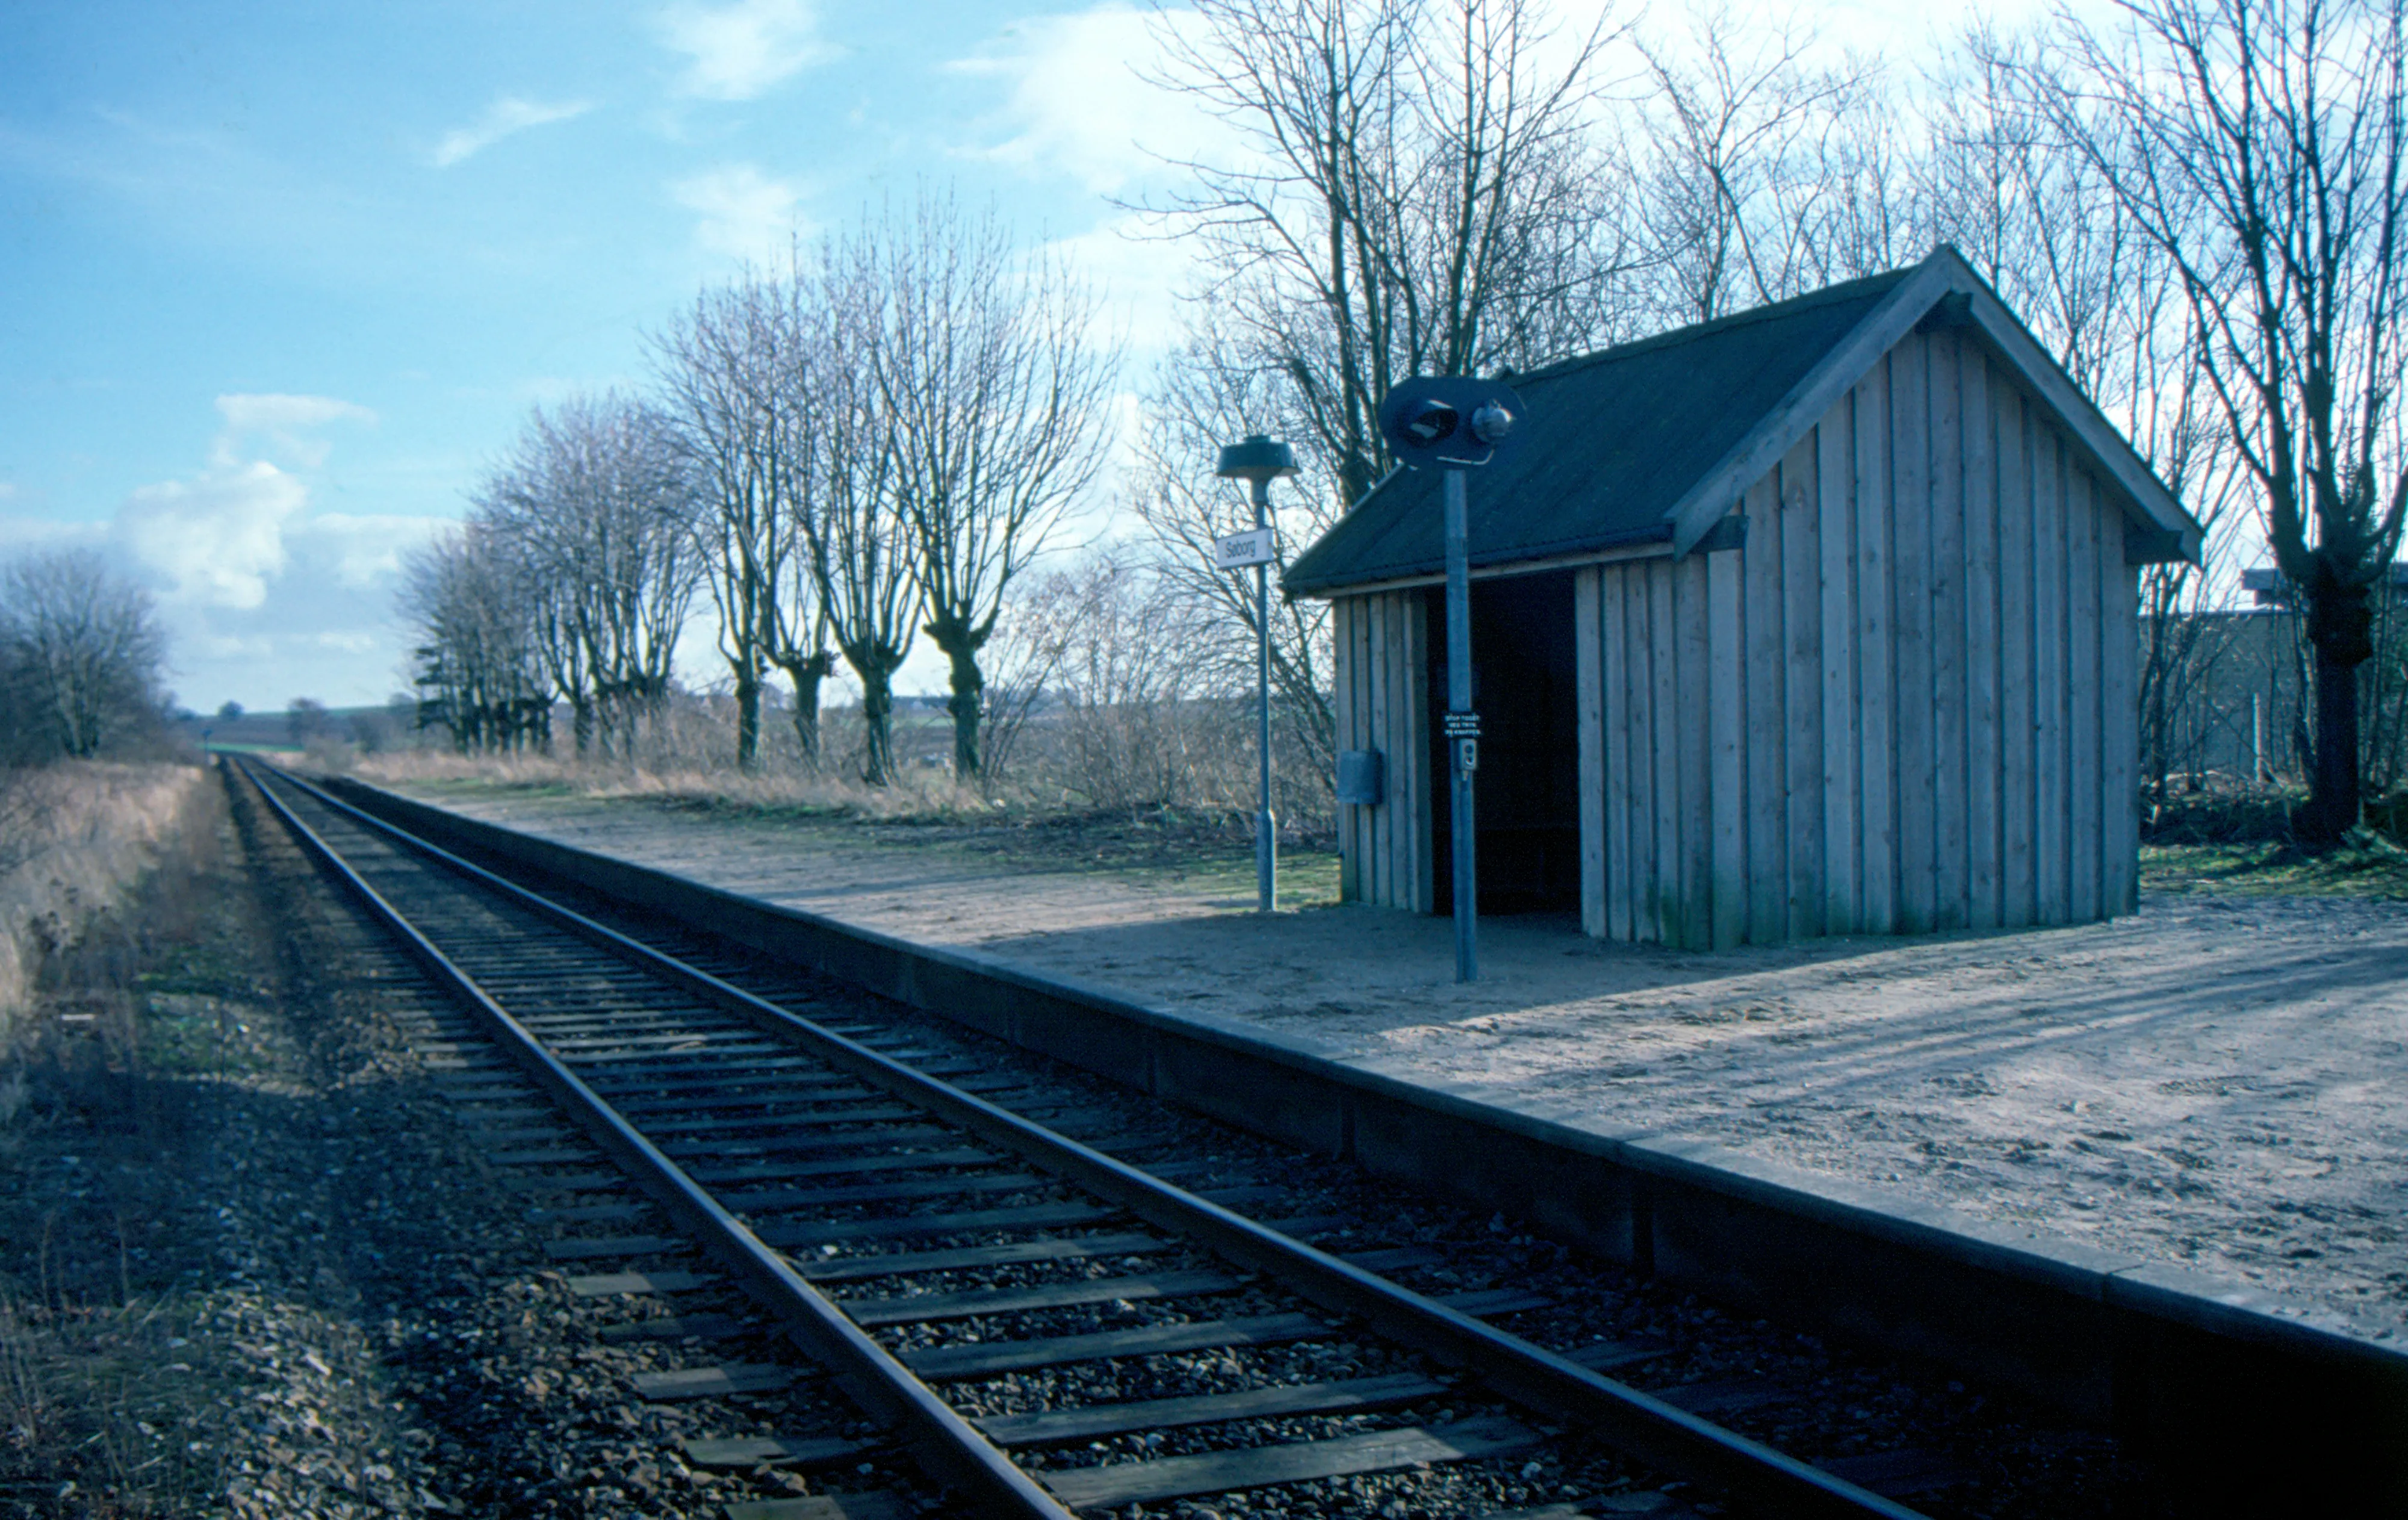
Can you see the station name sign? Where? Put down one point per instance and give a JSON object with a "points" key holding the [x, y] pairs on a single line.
{"points": [[1256, 546]]}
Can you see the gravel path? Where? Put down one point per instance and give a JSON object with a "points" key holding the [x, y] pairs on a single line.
{"points": [[2216, 1082]]}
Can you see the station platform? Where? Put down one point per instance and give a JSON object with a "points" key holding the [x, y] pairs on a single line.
{"points": [[2218, 1083]]}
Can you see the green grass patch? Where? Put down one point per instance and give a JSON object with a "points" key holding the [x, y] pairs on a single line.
{"points": [[2367, 865]]}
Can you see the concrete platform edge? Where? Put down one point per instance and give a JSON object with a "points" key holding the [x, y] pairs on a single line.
{"points": [[2188, 1367]]}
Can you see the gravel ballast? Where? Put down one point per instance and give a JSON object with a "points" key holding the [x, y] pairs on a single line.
{"points": [[252, 1263]]}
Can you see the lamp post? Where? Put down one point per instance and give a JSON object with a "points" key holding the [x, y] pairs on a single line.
{"points": [[1258, 461]]}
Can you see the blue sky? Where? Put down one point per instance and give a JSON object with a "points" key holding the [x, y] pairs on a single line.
{"points": [[278, 279]]}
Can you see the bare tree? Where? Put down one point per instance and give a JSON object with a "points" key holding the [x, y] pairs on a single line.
{"points": [[2259, 144], [1205, 397], [82, 656], [1764, 172], [1412, 194], [1416, 192], [860, 546], [598, 503], [727, 368], [997, 394], [480, 676], [1133, 722]]}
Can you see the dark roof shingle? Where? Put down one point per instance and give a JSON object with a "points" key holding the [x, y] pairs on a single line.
{"points": [[1614, 440]]}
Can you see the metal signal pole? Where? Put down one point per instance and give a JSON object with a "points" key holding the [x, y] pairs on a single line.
{"points": [[1453, 423], [1462, 729]]}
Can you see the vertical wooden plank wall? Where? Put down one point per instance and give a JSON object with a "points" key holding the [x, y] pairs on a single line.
{"points": [[1412, 831], [1913, 709], [1983, 840], [2018, 711], [1350, 731], [2049, 780], [1658, 870], [1381, 689], [1875, 653], [1729, 743], [1905, 702], [1801, 676], [1692, 596], [1589, 689], [1762, 679], [1842, 757], [1379, 861], [1663, 672], [2119, 620], [1951, 766]]}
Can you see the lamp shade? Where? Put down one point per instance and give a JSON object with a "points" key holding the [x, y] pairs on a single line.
{"points": [[1259, 458]]}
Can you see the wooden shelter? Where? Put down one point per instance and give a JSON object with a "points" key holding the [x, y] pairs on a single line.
{"points": [[1818, 618]]}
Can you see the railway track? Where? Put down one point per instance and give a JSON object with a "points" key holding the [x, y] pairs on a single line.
{"points": [[988, 1288]]}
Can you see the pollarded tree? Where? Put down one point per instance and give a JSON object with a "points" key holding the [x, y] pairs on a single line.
{"points": [[727, 369], [861, 547], [598, 501], [478, 673], [998, 393]]}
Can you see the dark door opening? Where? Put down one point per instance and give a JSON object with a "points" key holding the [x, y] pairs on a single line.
{"points": [[1528, 787]]}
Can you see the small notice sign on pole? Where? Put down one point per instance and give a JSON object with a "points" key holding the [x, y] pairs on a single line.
{"points": [[1256, 546]]}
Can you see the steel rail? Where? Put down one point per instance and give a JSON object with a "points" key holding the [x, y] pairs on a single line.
{"points": [[1658, 1433], [953, 1450]]}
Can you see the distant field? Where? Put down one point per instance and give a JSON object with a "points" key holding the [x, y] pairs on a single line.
{"points": [[254, 732]]}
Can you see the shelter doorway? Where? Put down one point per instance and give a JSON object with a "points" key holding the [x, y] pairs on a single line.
{"points": [[1523, 687]]}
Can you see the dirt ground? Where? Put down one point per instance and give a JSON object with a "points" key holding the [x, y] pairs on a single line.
{"points": [[2216, 1082]]}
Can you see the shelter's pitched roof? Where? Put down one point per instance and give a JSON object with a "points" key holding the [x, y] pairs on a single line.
{"points": [[1652, 442]]}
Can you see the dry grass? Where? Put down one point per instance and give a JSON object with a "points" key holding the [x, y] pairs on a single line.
{"points": [[74, 838], [1036, 827], [923, 796], [111, 896]]}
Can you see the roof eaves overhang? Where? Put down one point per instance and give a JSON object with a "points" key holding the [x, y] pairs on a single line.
{"points": [[1652, 542]]}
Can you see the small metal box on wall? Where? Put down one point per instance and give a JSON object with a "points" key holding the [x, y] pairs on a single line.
{"points": [[1362, 777]]}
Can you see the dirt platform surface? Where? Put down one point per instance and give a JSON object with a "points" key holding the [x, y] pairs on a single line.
{"points": [[2220, 1081]]}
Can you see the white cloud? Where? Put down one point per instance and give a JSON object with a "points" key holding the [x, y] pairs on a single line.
{"points": [[7, 491], [1080, 103], [739, 50], [506, 116], [362, 552], [745, 214], [282, 421], [217, 540], [1139, 276], [283, 413], [36, 532], [261, 596]]}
